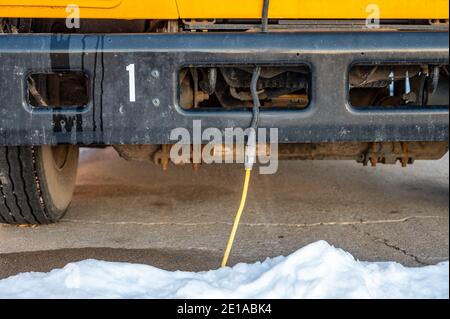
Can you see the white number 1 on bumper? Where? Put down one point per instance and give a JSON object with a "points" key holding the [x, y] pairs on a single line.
{"points": [[132, 82]]}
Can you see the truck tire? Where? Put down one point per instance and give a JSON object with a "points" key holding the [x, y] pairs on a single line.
{"points": [[36, 183]]}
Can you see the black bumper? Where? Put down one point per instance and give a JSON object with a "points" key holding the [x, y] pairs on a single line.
{"points": [[110, 118]]}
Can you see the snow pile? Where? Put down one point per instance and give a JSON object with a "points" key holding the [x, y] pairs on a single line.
{"points": [[316, 271]]}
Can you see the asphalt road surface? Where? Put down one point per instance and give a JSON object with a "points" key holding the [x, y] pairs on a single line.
{"points": [[181, 219]]}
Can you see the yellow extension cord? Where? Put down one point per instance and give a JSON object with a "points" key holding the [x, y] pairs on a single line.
{"points": [[237, 218]]}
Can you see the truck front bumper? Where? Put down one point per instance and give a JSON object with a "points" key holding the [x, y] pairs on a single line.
{"points": [[111, 118]]}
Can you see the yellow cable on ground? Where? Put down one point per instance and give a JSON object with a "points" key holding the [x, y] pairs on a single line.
{"points": [[250, 147], [237, 218]]}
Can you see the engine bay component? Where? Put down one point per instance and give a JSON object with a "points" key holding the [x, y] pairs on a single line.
{"points": [[373, 153], [229, 87], [140, 153], [58, 90], [398, 86]]}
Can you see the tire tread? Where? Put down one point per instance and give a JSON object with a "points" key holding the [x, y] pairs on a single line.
{"points": [[22, 203]]}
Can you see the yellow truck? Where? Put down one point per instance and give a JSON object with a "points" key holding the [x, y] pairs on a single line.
{"points": [[356, 80]]}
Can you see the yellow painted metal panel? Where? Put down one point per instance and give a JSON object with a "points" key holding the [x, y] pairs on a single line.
{"points": [[62, 3], [100, 9], [314, 9], [186, 9]]}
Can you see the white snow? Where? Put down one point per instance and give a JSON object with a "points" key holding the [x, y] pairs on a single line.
{"points": [[318, 270]]}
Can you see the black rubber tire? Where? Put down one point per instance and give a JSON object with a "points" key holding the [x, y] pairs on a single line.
{"points": [[35, 188]]}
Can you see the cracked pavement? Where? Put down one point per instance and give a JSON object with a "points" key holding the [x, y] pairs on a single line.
{"points": [[180, 219]]}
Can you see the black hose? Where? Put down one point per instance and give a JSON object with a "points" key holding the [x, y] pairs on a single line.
{"points": [[265, 16], [422, 88], [255, 97], [257, 71], [434, 81]]}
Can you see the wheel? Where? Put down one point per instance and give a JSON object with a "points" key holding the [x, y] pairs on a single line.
{"points": [[36, 183]]}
